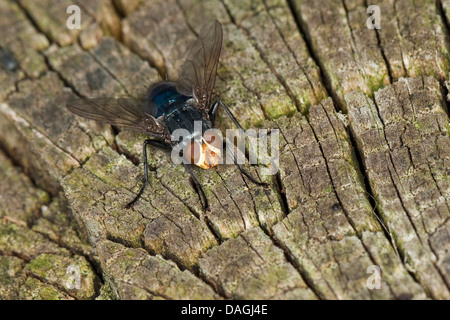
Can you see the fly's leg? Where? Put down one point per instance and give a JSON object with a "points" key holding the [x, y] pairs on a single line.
{"points": [[198, 186], [158, 144], [213, 113], [155, 143], [245, 172], [212, 117], [251, 178]]}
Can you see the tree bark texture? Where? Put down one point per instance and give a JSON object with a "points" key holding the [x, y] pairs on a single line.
{"points": [[364, 153]]}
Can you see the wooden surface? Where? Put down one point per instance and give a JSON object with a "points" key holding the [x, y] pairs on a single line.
{"points": [[364, 153]]}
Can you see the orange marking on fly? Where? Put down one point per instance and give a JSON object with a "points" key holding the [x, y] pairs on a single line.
{"points": [[206, 153]]}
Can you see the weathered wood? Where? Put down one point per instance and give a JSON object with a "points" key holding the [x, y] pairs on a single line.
{"points": [[403, 138], [98, 18], [331, 222], [244, 268], [134, 274], [411, 42], [23, 48], [363, 178], [37, 244]]}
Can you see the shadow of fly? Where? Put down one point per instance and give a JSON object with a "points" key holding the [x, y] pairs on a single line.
{"points": [[170, 106]]}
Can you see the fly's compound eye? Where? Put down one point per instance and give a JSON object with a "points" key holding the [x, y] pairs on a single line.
{"points": [[205, 152], [213, 138], [193, 152]]}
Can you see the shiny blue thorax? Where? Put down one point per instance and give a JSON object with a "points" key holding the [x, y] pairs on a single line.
{"points": [[177, 111], [167, 98]]}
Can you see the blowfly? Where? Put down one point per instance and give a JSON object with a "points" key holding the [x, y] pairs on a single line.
{"points": [[169, 106]]}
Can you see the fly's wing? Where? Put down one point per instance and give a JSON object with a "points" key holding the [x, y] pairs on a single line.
{"points": [[199, 71], [126, 113]]}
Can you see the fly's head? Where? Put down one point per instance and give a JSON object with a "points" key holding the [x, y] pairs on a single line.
{"points": [[206, 152]]}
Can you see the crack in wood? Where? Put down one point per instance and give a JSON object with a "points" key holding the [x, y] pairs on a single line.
{"points": [[264, 58], [383, 53], [281, 78], [303, 31], [339, 199]]}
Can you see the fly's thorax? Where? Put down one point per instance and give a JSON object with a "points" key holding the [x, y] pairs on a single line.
{"points": [[187, 119], [165, 98]]}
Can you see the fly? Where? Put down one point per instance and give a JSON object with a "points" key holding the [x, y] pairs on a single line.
{"points": [[169, 106]]}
